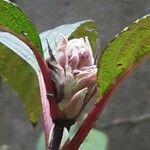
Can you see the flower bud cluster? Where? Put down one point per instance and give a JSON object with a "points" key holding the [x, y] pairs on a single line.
{"points": [[74, 74]]}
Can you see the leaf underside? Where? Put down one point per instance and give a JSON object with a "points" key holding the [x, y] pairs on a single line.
{"points": [[76, 30], [126, 50], [95, 140]]}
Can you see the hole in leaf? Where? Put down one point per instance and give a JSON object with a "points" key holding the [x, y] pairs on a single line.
{"points": [[119, 65], [24, 33]]}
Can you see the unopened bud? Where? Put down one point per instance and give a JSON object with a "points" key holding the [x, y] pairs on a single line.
{"points": [[74, 74]]}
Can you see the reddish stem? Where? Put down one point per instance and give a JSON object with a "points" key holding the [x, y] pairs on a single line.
{"points": [[47, 120], [49, 85], [77, 140], [92, 117]]}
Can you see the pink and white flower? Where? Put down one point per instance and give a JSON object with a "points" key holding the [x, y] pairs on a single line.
{"points": [[74, 74]]}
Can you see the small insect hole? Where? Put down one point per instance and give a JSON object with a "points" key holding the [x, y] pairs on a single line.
{"points": [[24, 33], [119, 65]]}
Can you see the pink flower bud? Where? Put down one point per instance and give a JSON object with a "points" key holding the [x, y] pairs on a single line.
{"points": [[62, 53], [75, 104], [74, 74]]}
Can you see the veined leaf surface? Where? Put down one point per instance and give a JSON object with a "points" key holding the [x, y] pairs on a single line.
{"points": [[121, 55], [14, 18]]}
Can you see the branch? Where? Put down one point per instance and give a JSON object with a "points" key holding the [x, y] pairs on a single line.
{"points": [[88, 123], [56, 137]]}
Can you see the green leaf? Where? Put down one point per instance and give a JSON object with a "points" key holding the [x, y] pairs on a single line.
{"points": [[121, 55], [12, 17], [19, 69], [40, 142], [95, 140], [76, 30]]}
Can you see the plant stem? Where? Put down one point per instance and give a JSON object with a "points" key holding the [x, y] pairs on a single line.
{"points": [[87, 124], [47, 120], [92, 117], [57, 136]]}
